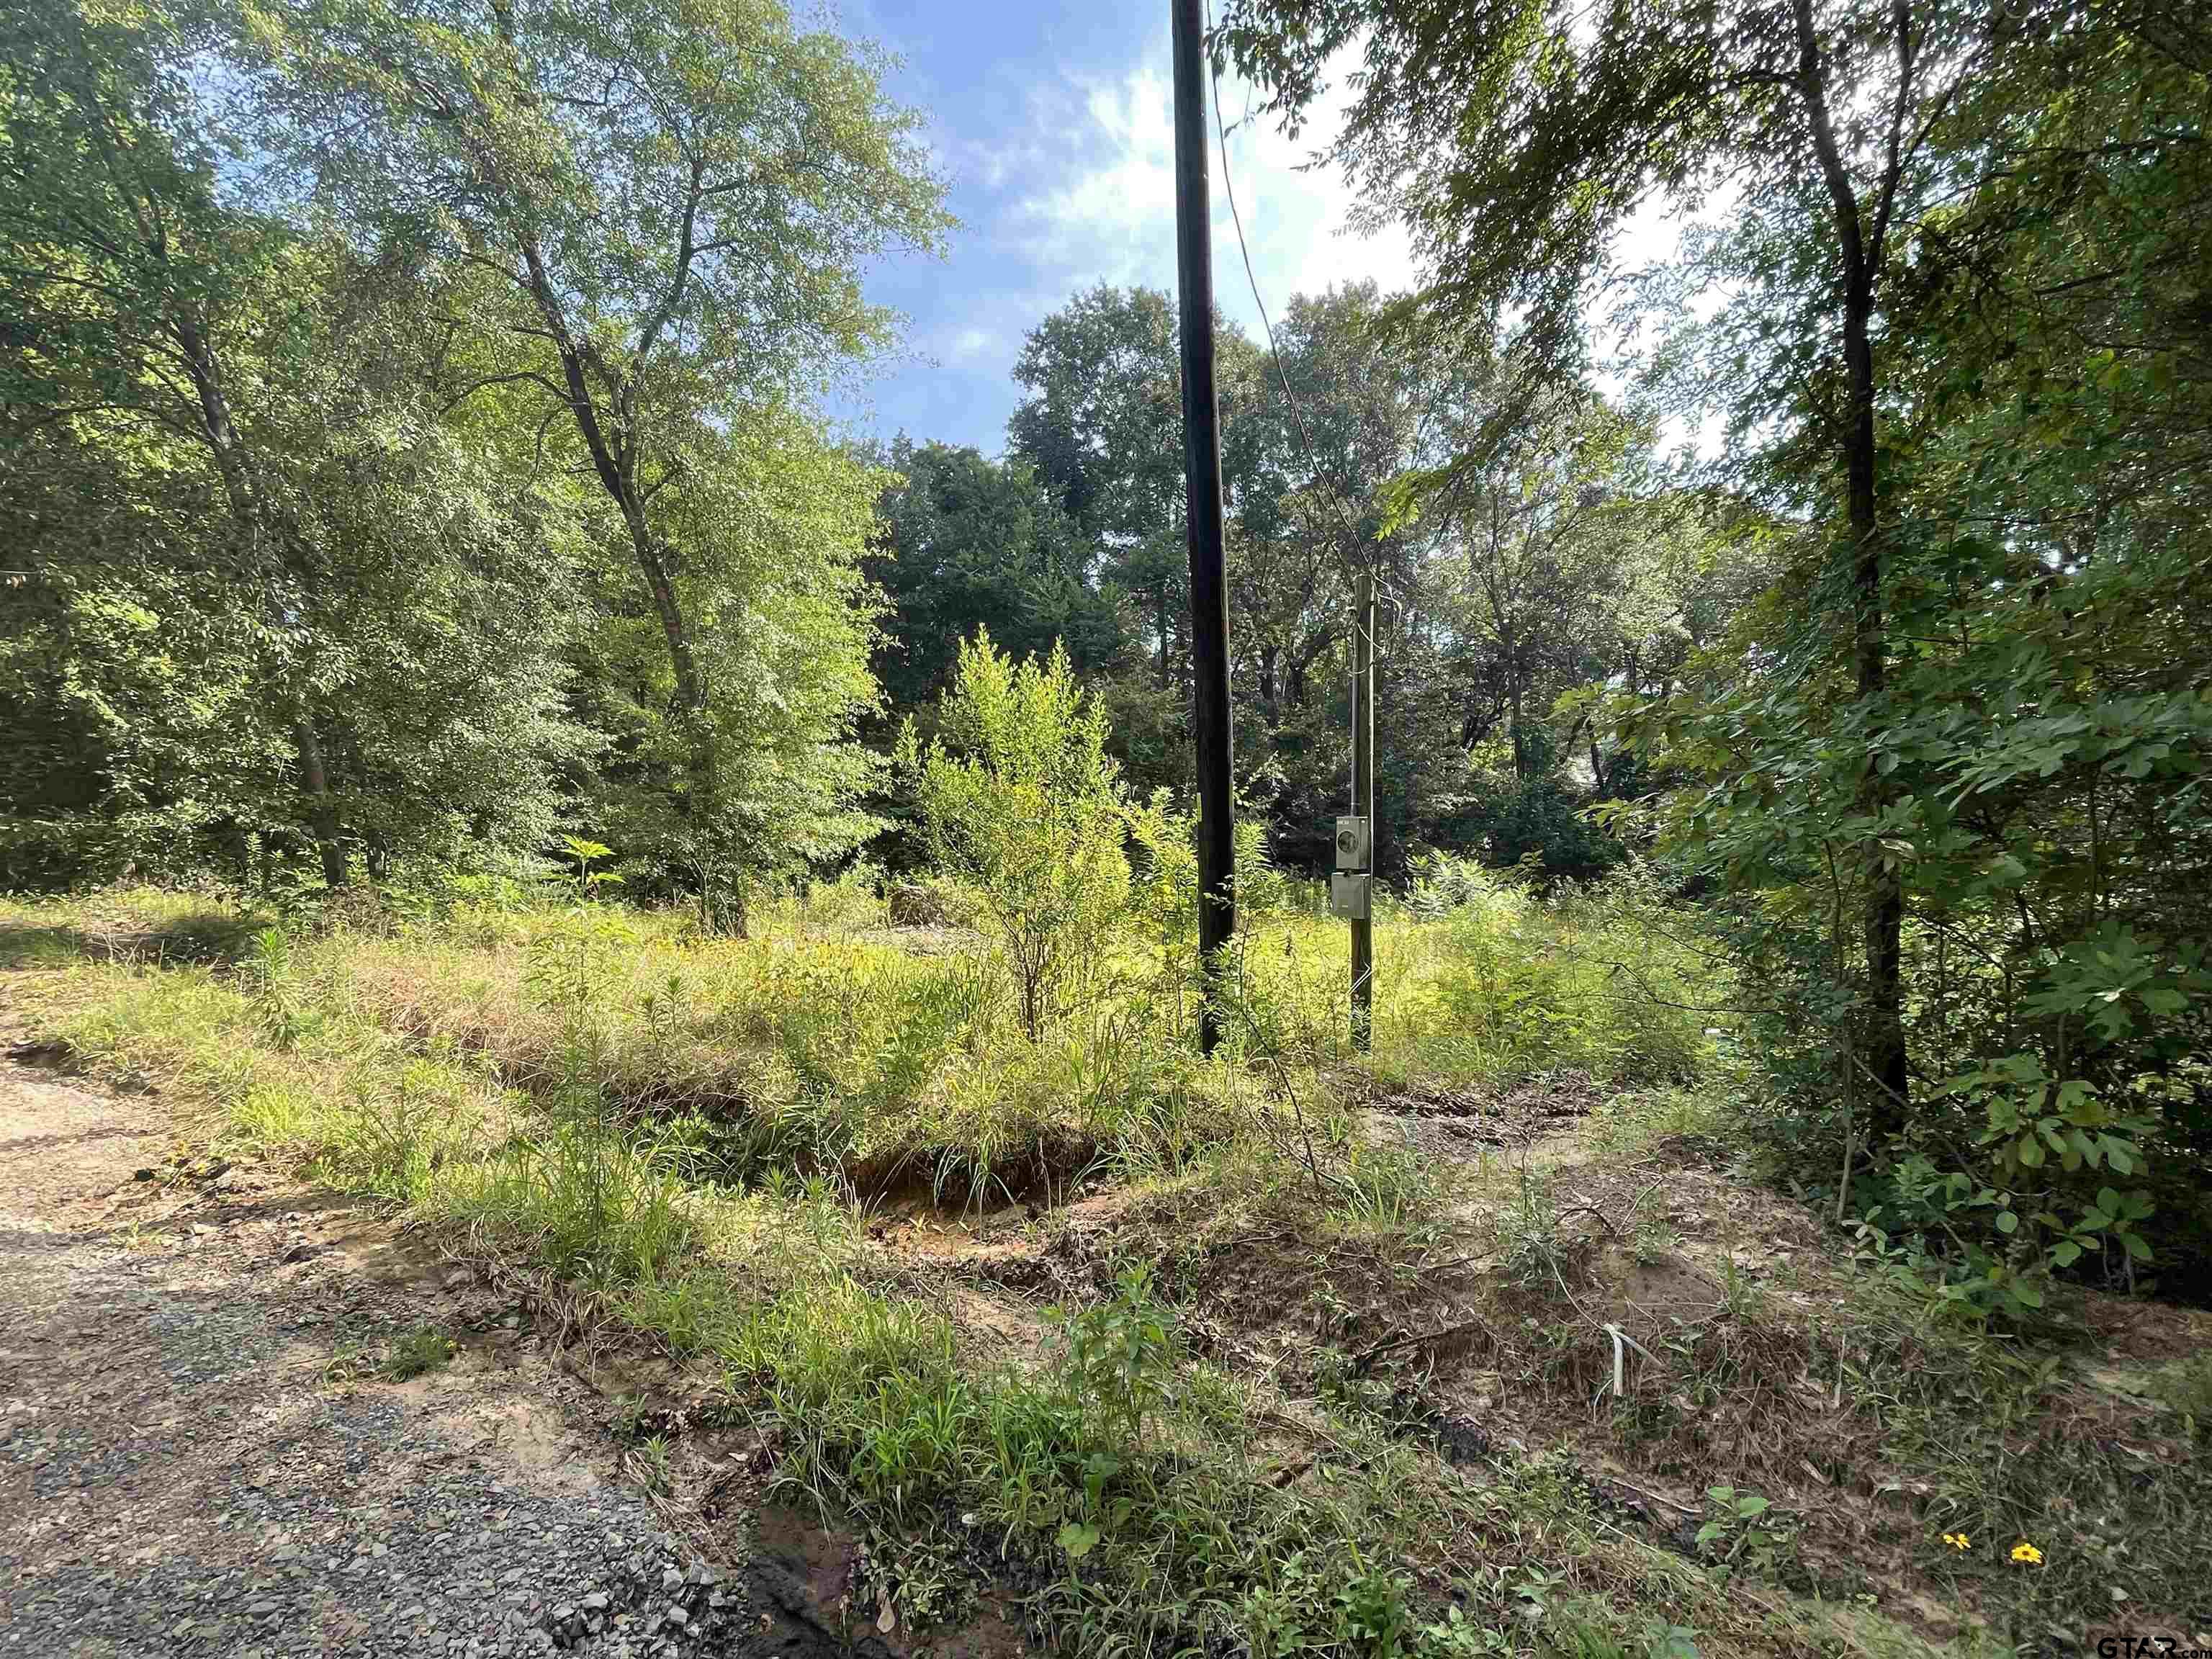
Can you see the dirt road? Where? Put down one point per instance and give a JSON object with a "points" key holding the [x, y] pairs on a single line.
{"points": [[198, 1457]]}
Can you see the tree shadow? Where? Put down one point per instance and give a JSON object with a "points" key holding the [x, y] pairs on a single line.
{"points": [[197, 936]]}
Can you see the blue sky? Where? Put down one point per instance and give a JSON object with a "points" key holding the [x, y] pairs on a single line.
{"points": [[1052, 121]]}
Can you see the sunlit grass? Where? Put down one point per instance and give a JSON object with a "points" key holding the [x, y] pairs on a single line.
{"points": [[670, 1130]]}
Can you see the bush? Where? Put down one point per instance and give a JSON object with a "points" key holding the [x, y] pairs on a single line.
{"points": [[1021, 801]]}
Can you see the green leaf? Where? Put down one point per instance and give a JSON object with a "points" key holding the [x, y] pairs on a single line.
{"points": [[1078, 1540]]}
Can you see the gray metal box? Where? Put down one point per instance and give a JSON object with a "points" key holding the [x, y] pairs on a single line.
{"points": [[1347, 895], [1353, 846]]}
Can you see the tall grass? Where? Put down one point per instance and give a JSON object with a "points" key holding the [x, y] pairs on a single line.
{"points": [[826, 1044], [831, 1050], [1116, 1479], [673, 1126], [1485, 982]]}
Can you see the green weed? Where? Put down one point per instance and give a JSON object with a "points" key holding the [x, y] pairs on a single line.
{"points": [[671, 1126], [416, 1354]]}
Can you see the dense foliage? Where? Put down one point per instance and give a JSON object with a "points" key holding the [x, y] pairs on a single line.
{"points": [[408, 443], [1559, 559], [1946, 772], [410, 450]]}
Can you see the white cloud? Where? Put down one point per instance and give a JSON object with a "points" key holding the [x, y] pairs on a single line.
{"points": [[1297, 210], [971, 343], [1109, 214]]}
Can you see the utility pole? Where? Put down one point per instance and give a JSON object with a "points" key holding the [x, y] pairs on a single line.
{"points": [[1201, 461], [1362, 804]]}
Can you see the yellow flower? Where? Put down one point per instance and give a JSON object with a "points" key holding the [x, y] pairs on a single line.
{"points": [[1957, 1540], [2024, 1551]]}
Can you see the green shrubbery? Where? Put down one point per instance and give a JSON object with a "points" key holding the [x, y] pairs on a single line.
{"points": [[1020, 802], [671, 1122]]}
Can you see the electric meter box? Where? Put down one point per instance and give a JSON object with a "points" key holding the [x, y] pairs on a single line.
{"points": [[1348, 894], [1353, 844]]}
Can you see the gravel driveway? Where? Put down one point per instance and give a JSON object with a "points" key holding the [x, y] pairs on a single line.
{"points": [[193, 1463]]}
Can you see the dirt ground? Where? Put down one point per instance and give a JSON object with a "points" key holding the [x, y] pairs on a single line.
{"points": [[201, 1452]]}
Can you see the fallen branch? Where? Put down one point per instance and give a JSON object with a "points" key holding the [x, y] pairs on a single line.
{"points": [[1289, 1472], [1591, 1209], [1361, 1362], [1648, 1497]]}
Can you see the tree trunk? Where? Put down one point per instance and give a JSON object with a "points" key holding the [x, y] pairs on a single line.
{"points": [[1883, 917], [1160, 612], [1513, 702], [690, 689], [231, 459], [322, 817], [1885, 895], [614, 459]]}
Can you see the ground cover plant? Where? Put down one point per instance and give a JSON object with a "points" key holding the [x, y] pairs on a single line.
{"points": [[1457, 1349]]}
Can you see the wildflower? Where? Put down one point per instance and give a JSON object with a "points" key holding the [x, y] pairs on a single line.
{"points": [[2024, 1551], [1957, 1540]]}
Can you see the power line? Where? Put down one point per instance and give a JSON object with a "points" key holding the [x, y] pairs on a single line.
{"points": [[1362, 1008], [1330, 489]]}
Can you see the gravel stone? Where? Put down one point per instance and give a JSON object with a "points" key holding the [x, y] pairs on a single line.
{"points": [[187, 1468]]}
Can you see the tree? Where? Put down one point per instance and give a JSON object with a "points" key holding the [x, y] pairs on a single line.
{"points": [[2040, 724], [774, 532], [1022, 801], [967, 543], [1831, 127], [1101, 427], [1335, 415], [1545, 520], [671, 200], [266, 596], [1504, 555]]}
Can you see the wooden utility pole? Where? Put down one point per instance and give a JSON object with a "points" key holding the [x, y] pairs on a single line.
{"points": [[1363, 803], [1202, 458]]}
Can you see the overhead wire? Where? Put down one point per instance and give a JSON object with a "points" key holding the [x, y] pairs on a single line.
{"points": [[1363, 623], [1331, 490]]}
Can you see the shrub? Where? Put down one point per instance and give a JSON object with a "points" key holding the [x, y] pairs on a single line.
{"points": [[1020, 800]]}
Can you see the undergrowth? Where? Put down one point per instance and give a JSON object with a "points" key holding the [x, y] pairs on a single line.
{"points": [[686, 1133], [1123, 1484]]}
